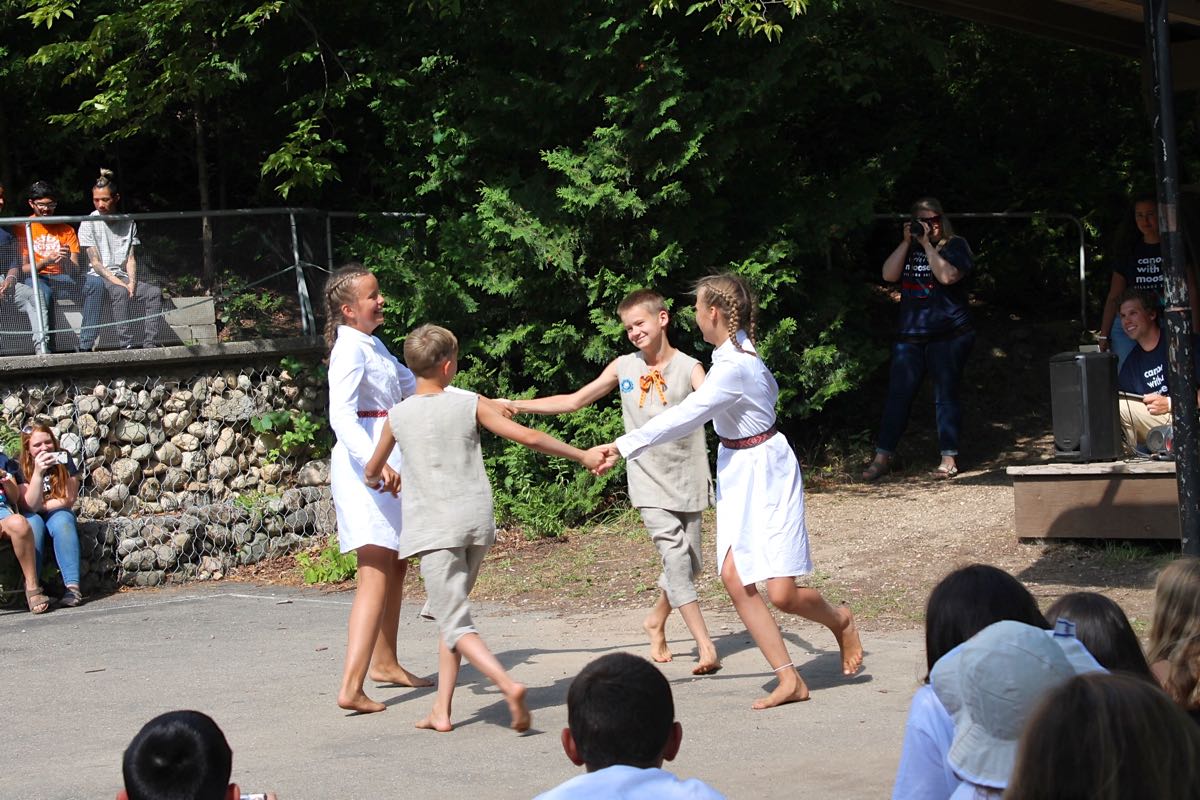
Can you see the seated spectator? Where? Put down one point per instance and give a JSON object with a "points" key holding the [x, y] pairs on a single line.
{"points": [[12, 289], [1106, 737], [15, 528], [965, 602], [990, 684], [1104, 630], [1174, 647], [180, 755], [55, 248], [1144, 372], [622, 728], [111, 252], [48, 483]]}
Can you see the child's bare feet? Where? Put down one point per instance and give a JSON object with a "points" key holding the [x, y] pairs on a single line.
{"points": [[521, 719], [710, 662], [656, 629], [435, 721], [791, 689], [850, 644], [358, 701], [398, 676]]}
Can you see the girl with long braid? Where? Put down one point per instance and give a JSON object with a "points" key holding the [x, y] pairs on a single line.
{"points": [[365, 380], [760, 494]]}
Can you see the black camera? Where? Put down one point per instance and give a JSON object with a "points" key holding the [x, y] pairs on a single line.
{"points": [[918, 228]]}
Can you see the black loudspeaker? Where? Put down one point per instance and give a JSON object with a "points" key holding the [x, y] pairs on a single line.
{"points": [[1083, 406]]}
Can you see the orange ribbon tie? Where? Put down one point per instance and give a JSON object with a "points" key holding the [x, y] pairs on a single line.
{"points": [[652, 380]]}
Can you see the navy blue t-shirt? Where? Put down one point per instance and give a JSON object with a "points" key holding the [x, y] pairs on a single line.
{"points": [[928, 307], [9, 255], [1145, 372], [1143, 269]]}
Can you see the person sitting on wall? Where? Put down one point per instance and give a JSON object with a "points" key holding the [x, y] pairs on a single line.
{"points": [[55, 247], [1144, 402], [20, 294], [110, 246]]}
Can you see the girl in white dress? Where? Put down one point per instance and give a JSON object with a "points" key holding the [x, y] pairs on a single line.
{"points": [[760, 495], [365, 380]]}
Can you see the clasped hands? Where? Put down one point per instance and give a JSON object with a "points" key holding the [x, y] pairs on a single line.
{"points": [[387, 481], [601, 458]]}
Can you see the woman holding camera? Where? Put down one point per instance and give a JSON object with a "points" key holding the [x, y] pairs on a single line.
{"points": [[47, 496], [935, 333]]}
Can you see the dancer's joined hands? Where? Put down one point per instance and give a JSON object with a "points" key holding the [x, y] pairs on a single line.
{"points": [[387, 481], [601, 458]]}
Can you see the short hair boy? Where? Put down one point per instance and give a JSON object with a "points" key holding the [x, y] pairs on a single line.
{"points": [[670, 485], [180, 755], [447, 505], [622, 727]]}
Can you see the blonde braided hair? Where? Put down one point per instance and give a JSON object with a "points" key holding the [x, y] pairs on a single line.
{"points": [[730, 294], [339, 290]]}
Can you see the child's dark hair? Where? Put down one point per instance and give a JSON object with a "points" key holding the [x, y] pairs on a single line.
{"points": [[427, 347], [731, 295], [620, 711], [643, 297], [1104, 630], [180, 755], [39, 189], [339, 289], [968, 600]]}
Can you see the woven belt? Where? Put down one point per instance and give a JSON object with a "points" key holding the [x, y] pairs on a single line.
{"points": [[750, 441], [364, 414]]}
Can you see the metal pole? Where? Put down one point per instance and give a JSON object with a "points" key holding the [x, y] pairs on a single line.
{"points": [[39, 330], [329, 242], [1178, 314], [306, 312]]}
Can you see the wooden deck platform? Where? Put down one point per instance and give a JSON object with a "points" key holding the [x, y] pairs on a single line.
{"points": [[1104, 500]]}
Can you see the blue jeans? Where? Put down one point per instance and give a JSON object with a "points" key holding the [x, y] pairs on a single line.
{"points": [[944, 361], [1120, 343], [51, 286], [61, 527], [97, 291]]}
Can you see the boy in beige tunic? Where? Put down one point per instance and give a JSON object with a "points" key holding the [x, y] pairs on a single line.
{"points": [[447, 505], [670, 485]]}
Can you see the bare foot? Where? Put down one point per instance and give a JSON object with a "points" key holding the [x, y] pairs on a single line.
{"points": [[656, 629], [359, 702], [398, 676], [521, 719], [710, 662], [789, 690], [850, 644], [435, 722]]}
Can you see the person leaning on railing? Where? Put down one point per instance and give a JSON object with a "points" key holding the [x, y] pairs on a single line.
{"points": [[48, 483]]}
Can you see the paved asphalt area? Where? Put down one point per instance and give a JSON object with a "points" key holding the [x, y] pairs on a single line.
{"points": [[265, 663]]}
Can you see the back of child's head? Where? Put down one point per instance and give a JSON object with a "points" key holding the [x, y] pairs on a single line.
{"points": [[180, 755], [648, 299], [427, 348], [730, 294], [1107, 737], [1175, 629], [620, 711], [1104, 630], [970, 599], [340, 289]]}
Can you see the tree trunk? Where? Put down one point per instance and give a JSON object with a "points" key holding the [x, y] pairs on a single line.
{"points": [[209, 273]]}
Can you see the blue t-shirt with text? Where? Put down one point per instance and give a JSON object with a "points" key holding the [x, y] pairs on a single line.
{"points": [[927, 306], [1145, 371]]}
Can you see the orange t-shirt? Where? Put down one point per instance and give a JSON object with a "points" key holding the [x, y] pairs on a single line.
{"points": [[47, 239]]}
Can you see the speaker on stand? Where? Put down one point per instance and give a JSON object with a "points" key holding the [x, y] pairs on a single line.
{"points": [[1083, 406]]}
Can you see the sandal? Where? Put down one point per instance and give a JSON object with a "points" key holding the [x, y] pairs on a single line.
{"points": [[71, 598], [876, 470], [37, 600], [946, 471]]}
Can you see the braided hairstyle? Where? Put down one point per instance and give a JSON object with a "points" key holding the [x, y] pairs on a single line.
{"points": [[339, 290], [730, 294]]}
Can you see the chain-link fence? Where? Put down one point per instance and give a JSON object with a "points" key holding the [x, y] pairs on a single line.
{"points": [[197, 278], [187, 472]]}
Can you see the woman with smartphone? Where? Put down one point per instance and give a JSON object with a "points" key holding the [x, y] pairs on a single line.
{"points": [[49, 484]]}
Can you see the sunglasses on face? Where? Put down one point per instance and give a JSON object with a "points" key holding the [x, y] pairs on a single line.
{"points": [[931, 220]]}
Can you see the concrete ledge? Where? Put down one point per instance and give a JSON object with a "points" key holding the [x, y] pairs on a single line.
{"points": [[1104, 500], [110, 360]]}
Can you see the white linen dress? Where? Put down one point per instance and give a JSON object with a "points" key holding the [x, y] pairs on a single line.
{"points": [[760, 492], [363, 376]]}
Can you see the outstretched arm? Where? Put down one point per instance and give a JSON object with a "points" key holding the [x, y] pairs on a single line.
{"points": [[566, 403], [492, 418]]}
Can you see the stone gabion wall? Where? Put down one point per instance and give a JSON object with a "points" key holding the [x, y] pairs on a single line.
{"points": [[177, 483]]}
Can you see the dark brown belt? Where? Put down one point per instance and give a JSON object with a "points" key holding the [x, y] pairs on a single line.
{"points": [[366, 414], [749, 441]]}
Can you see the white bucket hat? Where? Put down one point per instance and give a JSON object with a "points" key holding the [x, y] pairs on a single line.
{"points": [[991, 683]]}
